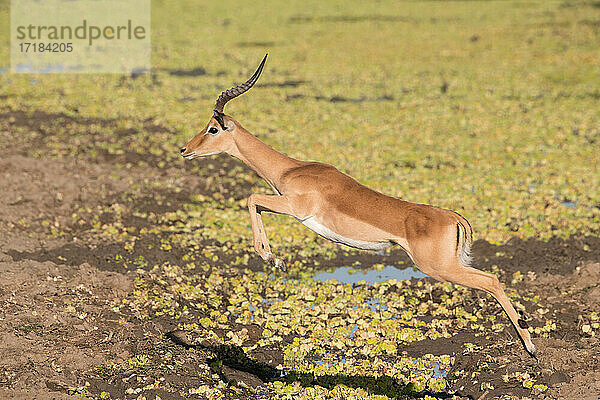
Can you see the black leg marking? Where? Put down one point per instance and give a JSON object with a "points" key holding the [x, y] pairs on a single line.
{"points": [[522, 324]]}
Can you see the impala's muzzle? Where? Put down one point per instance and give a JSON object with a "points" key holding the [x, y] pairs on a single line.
{"points": [[187, 155]]}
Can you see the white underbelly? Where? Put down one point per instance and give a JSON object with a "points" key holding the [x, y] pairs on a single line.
{"points": [[327, 233]]}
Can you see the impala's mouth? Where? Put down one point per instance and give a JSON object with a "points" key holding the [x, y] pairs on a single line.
{"points": [[193, 155], [189, 156]]}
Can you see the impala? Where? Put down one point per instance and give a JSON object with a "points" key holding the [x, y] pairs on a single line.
{"points": [[340, 209]]}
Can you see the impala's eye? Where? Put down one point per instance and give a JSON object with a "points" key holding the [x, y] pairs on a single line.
{"points": [[213, 130]]}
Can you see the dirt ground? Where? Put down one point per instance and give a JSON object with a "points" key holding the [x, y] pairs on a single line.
{"points": [[60, 317]]}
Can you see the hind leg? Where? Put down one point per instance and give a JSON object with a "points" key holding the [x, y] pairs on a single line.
{"points": [[477, 279], [441, 263]]}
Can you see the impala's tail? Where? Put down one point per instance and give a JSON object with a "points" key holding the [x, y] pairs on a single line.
{"points": [[464, 239]]}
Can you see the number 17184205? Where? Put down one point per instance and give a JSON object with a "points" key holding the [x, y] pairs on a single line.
{"points": [[41, 47]]}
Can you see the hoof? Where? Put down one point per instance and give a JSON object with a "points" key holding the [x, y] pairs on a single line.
{"points": [[276, 262], [279, 263], [532, 352]]}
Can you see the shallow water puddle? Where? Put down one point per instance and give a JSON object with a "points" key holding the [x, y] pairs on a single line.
{"points": [[352, 275], [375, 305], [48, 69], [439, 372], [329, 364]]}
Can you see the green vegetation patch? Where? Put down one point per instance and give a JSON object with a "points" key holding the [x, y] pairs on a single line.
{"points": [[487, 108]]}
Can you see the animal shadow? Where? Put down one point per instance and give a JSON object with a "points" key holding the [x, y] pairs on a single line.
{"points": [[234, 357]]}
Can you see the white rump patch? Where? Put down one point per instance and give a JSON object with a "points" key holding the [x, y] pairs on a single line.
{"points": [[464, 254], [327, 233]]}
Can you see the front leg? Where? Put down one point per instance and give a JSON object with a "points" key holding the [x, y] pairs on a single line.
{"points": [[256, 204]]}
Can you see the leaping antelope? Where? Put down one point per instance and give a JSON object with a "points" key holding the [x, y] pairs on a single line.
{"points": [[340, 209]]}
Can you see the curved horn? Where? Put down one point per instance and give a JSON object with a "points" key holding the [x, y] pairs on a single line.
{"points": [[236, 91]]}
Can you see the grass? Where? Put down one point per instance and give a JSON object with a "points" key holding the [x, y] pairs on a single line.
{"points": [[511, 140], [486, 108]]}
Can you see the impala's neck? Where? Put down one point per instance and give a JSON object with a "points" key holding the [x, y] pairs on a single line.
{"points": [[264, 160]]}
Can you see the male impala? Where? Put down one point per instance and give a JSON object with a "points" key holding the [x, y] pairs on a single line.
{"points": [[339, 208]]}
